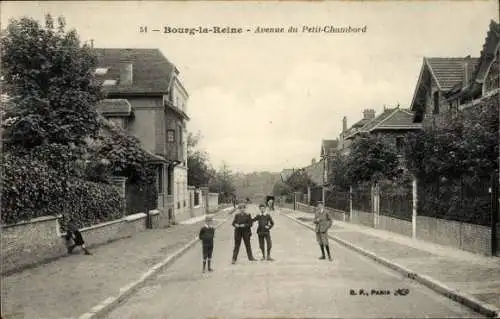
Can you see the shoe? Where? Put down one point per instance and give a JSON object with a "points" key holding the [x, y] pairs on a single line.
{"points": [[263, 258], [252, 259], [270, 259], [233, 262], [330, 258], [210, 269], [322, 258]]}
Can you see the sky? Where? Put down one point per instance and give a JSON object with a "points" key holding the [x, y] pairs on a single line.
{"points": [[265, 101]]}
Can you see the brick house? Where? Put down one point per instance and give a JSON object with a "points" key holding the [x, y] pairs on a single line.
{"points": [[485, 79], [344, 141], [391, 125], [438, 77], [145, 97], [329, 149]]}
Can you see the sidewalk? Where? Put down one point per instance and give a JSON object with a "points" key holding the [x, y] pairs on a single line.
{"points": [[73, 285], [473, 277]]}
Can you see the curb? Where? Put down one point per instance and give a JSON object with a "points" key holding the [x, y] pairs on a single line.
{"points": [[460, 297], [110, 303]]}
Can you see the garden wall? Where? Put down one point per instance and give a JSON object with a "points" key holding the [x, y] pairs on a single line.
{"points": [[40, 240]]}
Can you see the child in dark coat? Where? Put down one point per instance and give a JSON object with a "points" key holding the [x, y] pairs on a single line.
{"points": [[74, 234], [207, 233], [265, 223]]}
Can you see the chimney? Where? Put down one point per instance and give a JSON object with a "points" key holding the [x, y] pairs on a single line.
{"points": [[126, 73], [344, 124], [92, 43], [369, 114]]}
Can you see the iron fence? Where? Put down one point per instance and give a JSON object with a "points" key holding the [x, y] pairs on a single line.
{"points": [[337, 200], [362, 198]]}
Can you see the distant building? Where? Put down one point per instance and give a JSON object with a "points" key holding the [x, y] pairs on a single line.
{"points": [[344, 141], [146, 98], [329, 149]]}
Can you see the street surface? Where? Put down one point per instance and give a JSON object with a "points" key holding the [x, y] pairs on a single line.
{"points": [[296, 284]]}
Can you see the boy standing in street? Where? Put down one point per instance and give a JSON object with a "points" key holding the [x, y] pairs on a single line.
{"points": [[242, 224], [207, 233], [74, 234], [265, 223], [323, 222]]}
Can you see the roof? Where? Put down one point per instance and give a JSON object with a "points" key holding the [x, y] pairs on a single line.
{"points": [[448, 71], [328, 145], [286, 174], [316, 172], [486, 57], [391, 119], [152, 72], [116, 107]]}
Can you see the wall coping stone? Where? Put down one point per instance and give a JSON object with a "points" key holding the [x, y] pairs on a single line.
{"points": [[131, 218], [213, 194], [33, 221], [154, 212], [191, 187]]}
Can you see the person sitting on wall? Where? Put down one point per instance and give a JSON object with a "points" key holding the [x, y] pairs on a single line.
{"points": [[73, 234]]}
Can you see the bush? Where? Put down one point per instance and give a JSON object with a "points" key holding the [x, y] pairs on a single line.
{"points": [[33, 189]]}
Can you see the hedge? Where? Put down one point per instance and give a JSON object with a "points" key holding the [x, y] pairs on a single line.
{"points": [[32, 189]]}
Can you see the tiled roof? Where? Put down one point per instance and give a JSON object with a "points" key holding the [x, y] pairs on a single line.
{"points": [[392, 119], [152, 72], [118, 107], [449, 71], [490, 43]]}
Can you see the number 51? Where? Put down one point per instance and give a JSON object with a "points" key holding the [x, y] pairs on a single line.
{"points": [[143, 29]]}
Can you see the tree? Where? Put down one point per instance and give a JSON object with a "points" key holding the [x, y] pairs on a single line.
{"points": [[300, 181], [281, 189], [337, 177], [371, 159], [198, 166], [223, 183], [49, 77]]}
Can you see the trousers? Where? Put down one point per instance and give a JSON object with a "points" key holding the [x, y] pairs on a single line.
{"points": [[265, 240], [238, 236]]}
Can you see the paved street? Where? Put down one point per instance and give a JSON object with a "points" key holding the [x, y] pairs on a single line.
{"points": [[297, 284]]}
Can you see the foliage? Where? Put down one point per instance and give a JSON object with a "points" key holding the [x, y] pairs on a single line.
{"points": [[281, 189], [453, 160], [465, 144], [299, 181], [198, 166], [337, 177], [223, 183], [49, 77], [371, 159], [32, 188], [122, 155]]}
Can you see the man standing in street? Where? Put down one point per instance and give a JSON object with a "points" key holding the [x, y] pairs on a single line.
{"points": [[323, 222], [242, 224], [265, 223]]}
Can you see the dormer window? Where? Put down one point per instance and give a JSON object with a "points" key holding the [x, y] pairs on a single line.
{"points": [[101, 71], [109, 83]]}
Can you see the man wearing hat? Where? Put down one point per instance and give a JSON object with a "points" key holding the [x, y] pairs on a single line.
{"points": [[323, 222], [207, 233], [242, 224]]}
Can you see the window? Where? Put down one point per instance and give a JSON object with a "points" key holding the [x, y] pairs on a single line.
{"points": [[436, 102], [184, 203], [101, 71], [109, 83], [196, 198], [178, 205], [170, 136]]}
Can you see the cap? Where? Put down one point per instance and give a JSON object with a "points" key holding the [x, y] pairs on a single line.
{"points": [[209, 219], [242, 206], [262, 205]]}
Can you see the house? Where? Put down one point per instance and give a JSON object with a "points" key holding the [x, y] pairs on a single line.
{"points": [[438, 77], [145, 97], [329, 149], [344, 142], [286, 174], [485, 79]]}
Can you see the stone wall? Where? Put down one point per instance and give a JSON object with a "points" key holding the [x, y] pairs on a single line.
{"points": [[395, 225], [213, 202], [40, 240], [195, 209]]}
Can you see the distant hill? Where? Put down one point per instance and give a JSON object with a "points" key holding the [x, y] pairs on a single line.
{"points": [[255, 185]]}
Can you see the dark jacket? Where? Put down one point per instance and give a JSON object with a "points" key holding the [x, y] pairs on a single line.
{"points": [[74, 234], [265, 223], [322, 220], [207, 235], [243, 219]]}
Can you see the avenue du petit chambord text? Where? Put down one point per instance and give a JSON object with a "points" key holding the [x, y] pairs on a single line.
{"points": [[173, 30]]}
